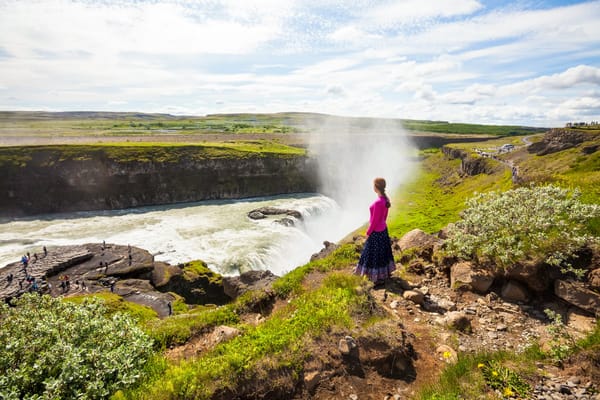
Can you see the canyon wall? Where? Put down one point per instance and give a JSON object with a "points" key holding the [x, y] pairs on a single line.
{"points": [[59, 179]]}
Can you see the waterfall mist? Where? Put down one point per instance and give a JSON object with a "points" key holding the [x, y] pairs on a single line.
{"points": [[351, 152]]}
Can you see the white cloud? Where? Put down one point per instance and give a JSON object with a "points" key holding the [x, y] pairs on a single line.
{"points": [[575, 76], [400, 12], [459, 60]]}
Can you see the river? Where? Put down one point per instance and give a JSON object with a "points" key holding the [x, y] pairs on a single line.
{"points": [[218, 232]]}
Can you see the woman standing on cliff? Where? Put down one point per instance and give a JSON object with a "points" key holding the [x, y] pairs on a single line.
{"points": [[376, 260]]}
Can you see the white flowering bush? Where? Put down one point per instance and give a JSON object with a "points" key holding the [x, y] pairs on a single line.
{"points": [[52, 349], [541, 224]]}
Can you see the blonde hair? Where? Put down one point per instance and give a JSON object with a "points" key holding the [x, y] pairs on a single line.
{"points": [[380, 184]]}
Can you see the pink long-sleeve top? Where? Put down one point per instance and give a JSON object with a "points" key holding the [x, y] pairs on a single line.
{"points": [[379, 213]]}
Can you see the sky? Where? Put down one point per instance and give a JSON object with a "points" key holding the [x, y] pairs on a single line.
{"points": [[530, 62]]}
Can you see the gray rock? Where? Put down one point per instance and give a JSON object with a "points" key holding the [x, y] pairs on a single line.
{"points": [[346, 345], [458, 320], [414, 295], [514, 291], [234, 286], [464, 275], [576, 294]]}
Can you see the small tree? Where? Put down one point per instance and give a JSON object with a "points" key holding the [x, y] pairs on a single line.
{"points": [[52, 349], [544, 223]]}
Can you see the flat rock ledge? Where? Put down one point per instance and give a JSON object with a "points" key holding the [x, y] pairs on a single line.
{"points": [[88, 268]]}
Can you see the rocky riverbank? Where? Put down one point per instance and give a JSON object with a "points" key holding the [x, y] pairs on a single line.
{"points": [[128, 271]]}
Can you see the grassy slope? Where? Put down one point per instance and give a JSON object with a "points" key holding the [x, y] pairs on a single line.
{"points": [[436, 194], [432, 199]]}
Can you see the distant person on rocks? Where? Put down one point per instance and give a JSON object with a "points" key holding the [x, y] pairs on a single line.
{"points": [[35, 257], [129, 259], [45, 251], [376, 260]]}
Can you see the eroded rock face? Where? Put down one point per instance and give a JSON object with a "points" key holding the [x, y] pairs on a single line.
{"points": [[235, 286], [576, 294], [557, 140], [193, 281], [465, 275], [124, 270], [96, 179]]}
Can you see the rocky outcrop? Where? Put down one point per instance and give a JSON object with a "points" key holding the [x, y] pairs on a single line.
{"points": [[420, 243], [75, 178], [124, 270], [194, 281], [463, 275], [263, 212], [235, 286], [576, 294], [556, 140], [469, 166]]}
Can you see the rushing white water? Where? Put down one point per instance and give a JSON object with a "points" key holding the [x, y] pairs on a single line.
{"points": [[218, 232]]}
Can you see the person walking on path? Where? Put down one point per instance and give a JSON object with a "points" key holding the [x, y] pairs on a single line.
{"points": [[376, 260]]}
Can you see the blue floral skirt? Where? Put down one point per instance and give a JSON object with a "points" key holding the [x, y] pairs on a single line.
{"points": [[376, 260]]}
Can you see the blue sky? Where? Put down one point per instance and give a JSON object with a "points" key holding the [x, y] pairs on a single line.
{"points": [[523, 62]]}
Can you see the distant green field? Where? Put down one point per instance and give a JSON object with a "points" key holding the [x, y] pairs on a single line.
{"points": [[119, 124]]}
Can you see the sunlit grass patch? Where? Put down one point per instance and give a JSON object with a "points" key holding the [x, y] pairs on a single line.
{"points": [[291, 282], [436, 194], [277, 343], [115, 303]]}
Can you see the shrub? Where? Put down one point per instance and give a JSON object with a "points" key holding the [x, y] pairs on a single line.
{"points": [[52, 349], [544, 223]]}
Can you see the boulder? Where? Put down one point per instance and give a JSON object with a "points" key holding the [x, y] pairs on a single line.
{"points": [[347, 345], [422, 243], [457, 320], [536, 275], [234, 286], [262, 212], [222, 334], [464, 275], [594, 279], [515, 292], [576, 294], [327, 250], [311, 380], [414, 295], [194, 281]]}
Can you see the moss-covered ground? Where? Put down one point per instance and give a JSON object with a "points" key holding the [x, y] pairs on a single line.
{"points": [[146, 152]]}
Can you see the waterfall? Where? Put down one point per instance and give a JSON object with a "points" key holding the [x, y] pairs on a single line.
{"points": [[218, 232]]}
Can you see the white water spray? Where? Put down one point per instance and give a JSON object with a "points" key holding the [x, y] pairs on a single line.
{"points": [[218, 232], [351, 153]]}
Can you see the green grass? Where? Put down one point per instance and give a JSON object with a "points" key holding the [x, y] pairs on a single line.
{"points": [[123, 124], [467, 379], [276, 344], [470, 129], [118, 124], [144, 152], [193, 270], [291, 283], [178, 329], [436, 194], [116, 303]]}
